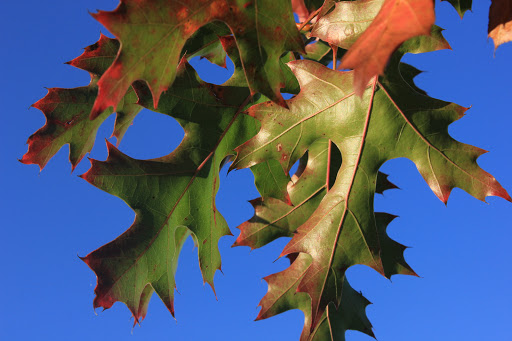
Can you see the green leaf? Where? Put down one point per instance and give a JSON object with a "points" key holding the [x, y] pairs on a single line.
{"points": [[319, 51], [271, 181], [390, 121], [261, 40], [67, 122], [170, 193], [350, 315]]}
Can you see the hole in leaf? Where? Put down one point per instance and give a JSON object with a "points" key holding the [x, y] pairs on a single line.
{"points": [[212, 73], [294, 168], [151, 135], [287, 95], [335, 164], [99, 149]]}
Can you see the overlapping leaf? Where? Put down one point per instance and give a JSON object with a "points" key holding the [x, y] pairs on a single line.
{"points": [[153, 33], [397, 21], [341, 141], [205, 43], [67, 111], [299, 8], [274, 217], [319, 51], [391, 120], [169, 194]]}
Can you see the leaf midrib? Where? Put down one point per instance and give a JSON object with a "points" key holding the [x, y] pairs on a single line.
{"points": [[356, 166]]}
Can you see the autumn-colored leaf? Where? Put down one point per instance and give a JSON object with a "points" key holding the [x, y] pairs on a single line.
{"points": [[500, 22], [340, 127], [260, 39], [397, 21], [67, 111], [98, 57], [67, 122], [391, 120], [169, 194]]}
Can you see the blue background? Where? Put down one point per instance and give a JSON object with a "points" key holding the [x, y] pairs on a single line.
{"points": [[462, 252]]}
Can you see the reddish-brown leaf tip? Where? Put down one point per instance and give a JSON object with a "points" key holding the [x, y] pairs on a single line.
{"points": [[41, 144], [96, 50]]}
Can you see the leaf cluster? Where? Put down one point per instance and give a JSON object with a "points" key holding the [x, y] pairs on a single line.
{"points": [[354, 107]]}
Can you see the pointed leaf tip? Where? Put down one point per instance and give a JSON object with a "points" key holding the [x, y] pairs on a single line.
{"points": [[461, 6]]}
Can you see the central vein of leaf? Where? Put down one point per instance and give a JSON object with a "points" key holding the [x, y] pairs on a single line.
{"points": [[354, 172]]}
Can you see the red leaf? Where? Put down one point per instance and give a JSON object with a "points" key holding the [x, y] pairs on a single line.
{"points": [[397, 21]]}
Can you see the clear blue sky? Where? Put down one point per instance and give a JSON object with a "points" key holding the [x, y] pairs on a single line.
{"points": [[462, 251]]}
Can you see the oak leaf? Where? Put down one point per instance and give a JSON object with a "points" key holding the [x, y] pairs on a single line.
{"points": [[391, 120], [173, 196], [153, 34], [340, 141]]}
